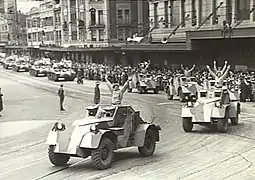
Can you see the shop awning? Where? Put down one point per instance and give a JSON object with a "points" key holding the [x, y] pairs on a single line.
{"points": [[156, 47]]}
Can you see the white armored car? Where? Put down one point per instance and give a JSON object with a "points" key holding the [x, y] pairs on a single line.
{"points": [[104, 130], [213, 106]]}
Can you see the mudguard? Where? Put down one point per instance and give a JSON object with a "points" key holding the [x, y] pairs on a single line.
{"points": [[234, 109], [92, 140], [140, 133], [219, 112], [52, 138], [186, 113]]}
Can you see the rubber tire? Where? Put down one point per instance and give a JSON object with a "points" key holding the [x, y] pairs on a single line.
{"points": [[139, 89], [129, 90], [222, 125], [55, 78], [187, 124], [150, 137], [57, 159], [181, 97], [235, 121], [97, 161], [156, 90], [170, 97]]}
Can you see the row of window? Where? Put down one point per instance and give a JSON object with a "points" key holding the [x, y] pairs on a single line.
{"points": [[37, 22], [4, 28], [48, 36], [175, 12]]}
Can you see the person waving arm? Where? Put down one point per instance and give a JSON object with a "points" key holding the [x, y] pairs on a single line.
{"points": [[225, 74], [224, 68], [108, 83], [211, 72], [182, 67], [214, 66], [192, 68]]}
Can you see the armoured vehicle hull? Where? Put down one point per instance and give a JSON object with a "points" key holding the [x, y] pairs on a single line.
{"points": [[102, 132], [143, 84], [213, 107]]}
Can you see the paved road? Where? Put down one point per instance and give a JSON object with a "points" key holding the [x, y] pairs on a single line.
{"points": [[31, 106]]}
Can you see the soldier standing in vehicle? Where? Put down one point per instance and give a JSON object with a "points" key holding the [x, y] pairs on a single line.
{"points": [[117, 92], [187, 71], [61, 95], [97, 94], [219, 78], [1, 101]]}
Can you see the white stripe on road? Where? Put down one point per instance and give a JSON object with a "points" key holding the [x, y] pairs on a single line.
{"points": [[166, 103]]}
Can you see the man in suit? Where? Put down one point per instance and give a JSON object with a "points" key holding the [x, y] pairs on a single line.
{"points": [[61, 95]]}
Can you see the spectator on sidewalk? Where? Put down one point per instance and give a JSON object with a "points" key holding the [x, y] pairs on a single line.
{"points": [[61, 95], [1, 101], [97, 94]]}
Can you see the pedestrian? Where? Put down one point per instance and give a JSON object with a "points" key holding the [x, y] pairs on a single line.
{"points": [[97, 94], [1, 101], [61, 95]]}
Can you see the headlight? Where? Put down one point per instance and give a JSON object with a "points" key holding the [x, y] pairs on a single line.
{"points": [[59, 126], [232, 90], [190, 104], [186, 85], [186, 97], [217, 104], [94, 128]]}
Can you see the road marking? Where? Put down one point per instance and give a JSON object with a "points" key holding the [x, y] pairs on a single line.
{"points": [[23, 167], [166, 103], [8, 129]]}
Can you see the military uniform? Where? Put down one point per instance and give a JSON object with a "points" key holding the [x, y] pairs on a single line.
{"points": [[1, 101], [97, 94], [61, 95]]}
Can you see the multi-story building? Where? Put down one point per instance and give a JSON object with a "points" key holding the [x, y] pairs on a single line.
{"points": [[96, 25], [9, 15], [203, 29], [4, 4], [34, 30], [4, 31]]}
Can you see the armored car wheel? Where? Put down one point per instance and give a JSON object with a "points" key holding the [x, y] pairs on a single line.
{"points": [[57, 159], [156, 90], [102, 157], [149, 144], [235, 120], [187, 124], [222, 125], [139, 89], [170, 97], [181, 96]]}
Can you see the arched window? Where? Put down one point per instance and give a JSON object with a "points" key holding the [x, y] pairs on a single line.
{"points": [[93, 16]]}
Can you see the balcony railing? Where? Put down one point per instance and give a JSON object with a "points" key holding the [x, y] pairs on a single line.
{"points": [[96, 25]]}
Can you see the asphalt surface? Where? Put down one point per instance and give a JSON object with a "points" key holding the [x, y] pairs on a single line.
{"points": [[31, 106]]}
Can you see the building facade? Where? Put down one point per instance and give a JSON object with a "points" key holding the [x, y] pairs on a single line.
{"points": [[206, 29], [9, 18], [198, 15], [87, 25]]}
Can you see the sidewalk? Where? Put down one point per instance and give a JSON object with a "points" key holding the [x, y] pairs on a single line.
{"points": [[248, 107]]}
